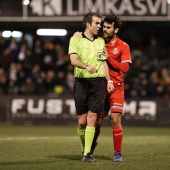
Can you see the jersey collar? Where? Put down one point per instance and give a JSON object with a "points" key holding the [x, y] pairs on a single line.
{"points": [[95, 37]]}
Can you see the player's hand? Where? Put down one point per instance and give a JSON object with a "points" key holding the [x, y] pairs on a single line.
{"points": [[105, 52], [91, 69], [78, 34], [110, 87]]}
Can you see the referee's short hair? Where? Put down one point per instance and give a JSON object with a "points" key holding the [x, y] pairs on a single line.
{"points": [[88, 17]]}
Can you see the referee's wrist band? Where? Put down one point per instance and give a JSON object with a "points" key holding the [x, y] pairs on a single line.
{"points": [[110, 81]]}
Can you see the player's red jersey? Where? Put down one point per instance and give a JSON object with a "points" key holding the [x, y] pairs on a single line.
{"points": [[120, 52]]}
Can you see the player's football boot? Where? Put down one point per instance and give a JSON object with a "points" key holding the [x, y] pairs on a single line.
{"points": [[92, 157], [88, 158], [117, 157], [93, 148]]}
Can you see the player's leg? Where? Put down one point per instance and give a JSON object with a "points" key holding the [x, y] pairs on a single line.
{"points": [[117, 102], [117, 136]]}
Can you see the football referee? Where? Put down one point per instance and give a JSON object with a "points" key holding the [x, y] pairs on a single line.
{"points": [[87, 55]]}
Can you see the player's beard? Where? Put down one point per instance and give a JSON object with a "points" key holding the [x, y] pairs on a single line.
{"points": [[107, 36]]}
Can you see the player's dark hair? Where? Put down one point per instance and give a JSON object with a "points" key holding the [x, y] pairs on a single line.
{"points": [[88, 17], [113, 18]]}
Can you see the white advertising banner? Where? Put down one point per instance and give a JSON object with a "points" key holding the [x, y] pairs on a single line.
{"points": [[62, 110], [73, 10]]}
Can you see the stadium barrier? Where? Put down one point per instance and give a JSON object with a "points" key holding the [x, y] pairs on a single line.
{"points": [[61, 110]]}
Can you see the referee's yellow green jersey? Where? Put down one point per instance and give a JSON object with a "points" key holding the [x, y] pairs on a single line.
{"points": [[89, 52]]}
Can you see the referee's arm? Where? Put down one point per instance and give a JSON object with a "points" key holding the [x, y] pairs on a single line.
{"points": [[110, 86], [76, 62], [106, 70]]}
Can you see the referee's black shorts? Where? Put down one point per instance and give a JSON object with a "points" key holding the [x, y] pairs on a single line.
{"points": [[89, 95]]}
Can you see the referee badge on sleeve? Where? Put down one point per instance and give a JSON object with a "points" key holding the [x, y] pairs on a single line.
{"points": [[101, 56]]}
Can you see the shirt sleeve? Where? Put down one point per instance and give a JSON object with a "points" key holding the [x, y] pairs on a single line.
{"points": [[73, 46], [125, 55]]}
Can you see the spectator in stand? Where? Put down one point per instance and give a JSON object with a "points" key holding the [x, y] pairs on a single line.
{"points": [[144, 86], [22, 53], [35, 72], [63, 59], [14, 47], [60, 78], [21, 74], [70, 68], [13, 89], [3, 83], [37, 51], [165, 82], [49, 56], [154, 83], [60, 83], [70, 80], [50, 81], [28, 87], [2, 44], [40, 86], [6, 58], [28, 61]]}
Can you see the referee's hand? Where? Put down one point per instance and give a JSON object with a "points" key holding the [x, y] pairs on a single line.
{"points": [[91, 69]]}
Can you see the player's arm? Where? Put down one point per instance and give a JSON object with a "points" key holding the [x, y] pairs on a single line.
{"points": [[78, 34], [123, 67], [110, 86], [125, 60], [105, 52]]}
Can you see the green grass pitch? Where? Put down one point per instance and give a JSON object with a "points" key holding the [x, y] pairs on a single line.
{"points": [[31, 147]]}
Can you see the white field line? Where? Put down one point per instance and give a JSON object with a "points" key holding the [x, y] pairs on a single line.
{"points": [[146, 137], [72, 137], [34, 138]]}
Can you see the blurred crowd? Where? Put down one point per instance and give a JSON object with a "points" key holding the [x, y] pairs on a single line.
{"points": [[42, 69], [149, 75], [45, 68]]}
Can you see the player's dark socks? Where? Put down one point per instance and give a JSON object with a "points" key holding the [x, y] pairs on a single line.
{"points": [[93, 147]]}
